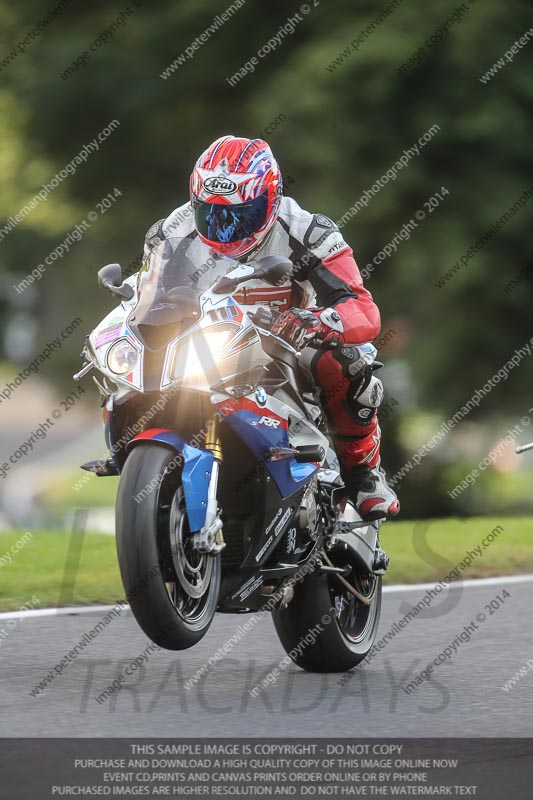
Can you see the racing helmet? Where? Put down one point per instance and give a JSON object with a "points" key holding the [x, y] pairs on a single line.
{"points": [[236, 191]]}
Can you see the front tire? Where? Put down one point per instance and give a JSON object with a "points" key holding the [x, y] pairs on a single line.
{"points": [[325, 628], [173, 591]]}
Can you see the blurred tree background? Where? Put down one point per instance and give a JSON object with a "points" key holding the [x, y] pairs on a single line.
{"points": [[335, 132]]}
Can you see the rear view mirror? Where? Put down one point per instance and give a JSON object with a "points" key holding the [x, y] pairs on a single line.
{"points": [[273, 269], [110, 278]]}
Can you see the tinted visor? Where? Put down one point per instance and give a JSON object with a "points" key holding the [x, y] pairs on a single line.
{"points": [[230, 223]]}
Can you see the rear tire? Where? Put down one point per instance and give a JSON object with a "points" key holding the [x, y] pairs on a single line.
{"points": [[343, 639], [159, 573]]}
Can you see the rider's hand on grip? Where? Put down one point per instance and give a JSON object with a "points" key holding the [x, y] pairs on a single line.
{"points": [[298, 326]]}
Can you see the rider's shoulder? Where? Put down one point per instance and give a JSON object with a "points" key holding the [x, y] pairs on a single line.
{"points": [[179, 222], [154, 234], [292, 213], [314, 231], [299, 218]]}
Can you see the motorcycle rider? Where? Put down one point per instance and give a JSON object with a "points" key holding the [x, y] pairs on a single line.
{"points": [[238, 209]]}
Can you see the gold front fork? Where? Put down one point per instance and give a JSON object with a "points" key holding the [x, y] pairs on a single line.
{"points": [[212, 439], [213, 443]]}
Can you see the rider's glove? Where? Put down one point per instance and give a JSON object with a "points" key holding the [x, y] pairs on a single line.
{"points": [[300, 327]]}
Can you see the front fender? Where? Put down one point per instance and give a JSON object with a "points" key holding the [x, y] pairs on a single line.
{"points": [[196, 472]]}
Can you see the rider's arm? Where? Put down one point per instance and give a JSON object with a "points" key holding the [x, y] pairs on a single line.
{"points": [[339, 285], [325, 261]]}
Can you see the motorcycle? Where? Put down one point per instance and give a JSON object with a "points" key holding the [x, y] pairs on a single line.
{"points": [[229, 499]]}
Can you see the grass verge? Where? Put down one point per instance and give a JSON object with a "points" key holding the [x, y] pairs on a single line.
{"points": [[420, 551]]}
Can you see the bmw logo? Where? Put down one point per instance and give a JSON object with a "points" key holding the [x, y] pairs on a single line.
{"points": [[261, 396]]}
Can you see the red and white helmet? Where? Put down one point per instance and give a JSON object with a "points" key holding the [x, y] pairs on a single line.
{"points": [[236, 191]]}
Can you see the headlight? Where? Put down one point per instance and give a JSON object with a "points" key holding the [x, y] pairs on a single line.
{"points": [[200, 354], [122, 357]]}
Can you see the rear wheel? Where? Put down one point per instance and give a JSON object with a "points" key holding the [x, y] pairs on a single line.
{"points": [[326, 628], [172, 590]]}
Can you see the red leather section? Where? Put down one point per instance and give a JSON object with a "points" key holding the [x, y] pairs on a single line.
{"points": [[278, 297], [360, 315], [363, 444]]}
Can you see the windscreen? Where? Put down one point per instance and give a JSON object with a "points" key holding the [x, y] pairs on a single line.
{"points": [[177, 271]]}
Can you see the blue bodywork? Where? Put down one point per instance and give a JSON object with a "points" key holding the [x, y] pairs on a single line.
{"points": [[288, 475], [196, 474]]}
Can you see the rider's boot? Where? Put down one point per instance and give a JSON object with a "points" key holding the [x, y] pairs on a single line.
{"points": [[370, 493]]}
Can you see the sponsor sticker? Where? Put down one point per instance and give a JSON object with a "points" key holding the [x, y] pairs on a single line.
{"points": [[108, 334], [163, 306], [283, 521], [265, 547], [248, 588], [277, 530], [276, 517], [252, 588], [217, 184]]}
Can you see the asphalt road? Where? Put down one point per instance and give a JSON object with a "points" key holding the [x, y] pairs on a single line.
{"points": [[464, 698]]}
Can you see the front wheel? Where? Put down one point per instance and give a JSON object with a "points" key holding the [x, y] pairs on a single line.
{"points": [[172, 590], [325, 628]]}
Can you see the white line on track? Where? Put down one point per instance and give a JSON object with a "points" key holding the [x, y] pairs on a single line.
{"points": [[472, 583], [53, 612]]}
